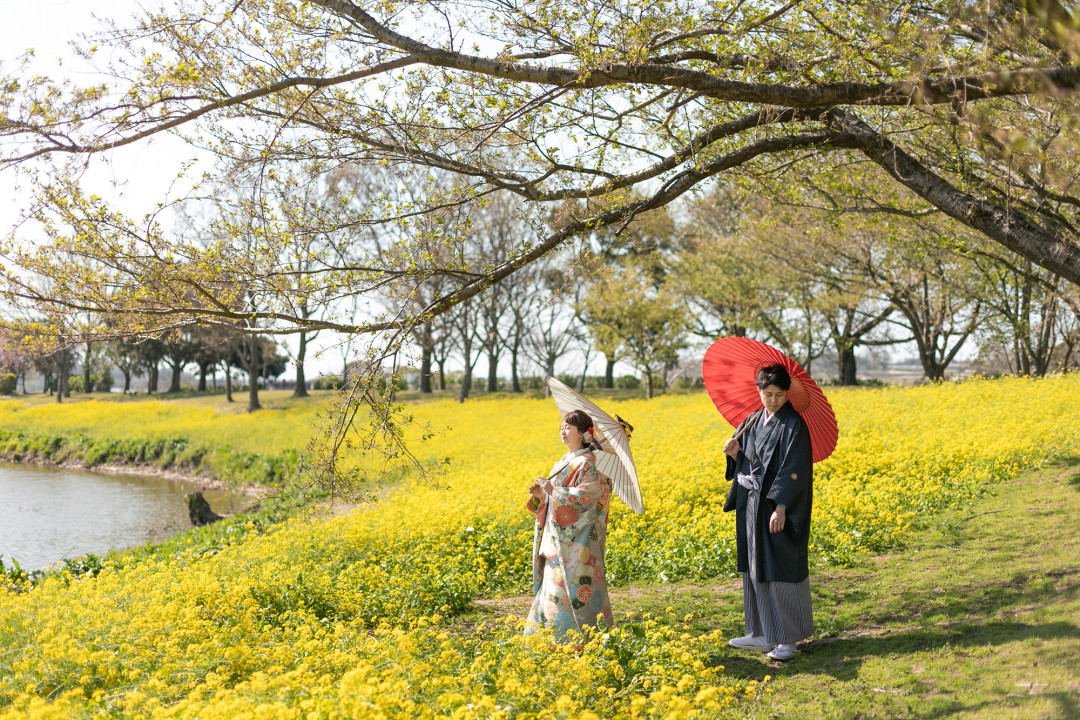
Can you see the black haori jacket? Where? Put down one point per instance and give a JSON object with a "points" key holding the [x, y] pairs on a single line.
{"points": [[783, 449]]}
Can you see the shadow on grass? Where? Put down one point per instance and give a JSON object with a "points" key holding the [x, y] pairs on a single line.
{"points": [[842, 659], [1068, 709], [1074, 462], [979, 627]]}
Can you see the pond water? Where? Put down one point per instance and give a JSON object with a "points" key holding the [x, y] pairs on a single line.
{"points": [[49, 514]]}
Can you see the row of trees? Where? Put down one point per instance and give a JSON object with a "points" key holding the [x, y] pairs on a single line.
{"points": [[208, 349], [794, 272], [799, 275]]}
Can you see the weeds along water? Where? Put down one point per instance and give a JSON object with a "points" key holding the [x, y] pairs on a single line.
{"points": [[317, 617]]}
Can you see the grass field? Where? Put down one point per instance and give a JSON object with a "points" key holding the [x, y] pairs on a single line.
{"points": [[377, 611]]}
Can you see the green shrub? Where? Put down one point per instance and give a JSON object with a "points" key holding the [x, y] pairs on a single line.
{"points": [[103, 382], [75, 383], [628, 382], [328, 382], [569, 380], [7, 383]]}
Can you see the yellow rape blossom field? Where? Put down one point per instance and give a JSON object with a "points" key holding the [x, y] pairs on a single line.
{"points": [[353, 616]]}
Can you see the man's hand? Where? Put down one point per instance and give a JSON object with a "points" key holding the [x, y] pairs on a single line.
{"points": [[731, 448], [778, 519]]}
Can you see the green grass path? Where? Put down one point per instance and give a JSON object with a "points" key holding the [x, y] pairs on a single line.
{"points": [[977, 617]]}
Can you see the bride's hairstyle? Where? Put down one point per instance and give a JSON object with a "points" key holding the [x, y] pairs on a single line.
{"points": [[581, 420]]}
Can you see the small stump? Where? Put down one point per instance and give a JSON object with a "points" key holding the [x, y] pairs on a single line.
{"points": [[199, 510]]}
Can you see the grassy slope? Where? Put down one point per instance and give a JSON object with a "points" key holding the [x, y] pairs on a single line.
{"points": [[978, 617]]}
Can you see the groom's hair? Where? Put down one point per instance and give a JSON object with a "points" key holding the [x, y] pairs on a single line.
{"points": [[773, 375]]}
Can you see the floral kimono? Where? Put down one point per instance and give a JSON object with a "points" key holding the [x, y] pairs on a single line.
{"points": [[569, 584]]}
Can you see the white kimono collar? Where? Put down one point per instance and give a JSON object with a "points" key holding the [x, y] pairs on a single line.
{"points": [[565, 460]]}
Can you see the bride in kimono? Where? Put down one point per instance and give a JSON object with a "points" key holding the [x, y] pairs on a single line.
{"points": [[571, 508]]}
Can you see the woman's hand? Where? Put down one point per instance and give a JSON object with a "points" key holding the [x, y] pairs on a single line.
{"points": [[778, 519], [540, 488], [731, 448]]}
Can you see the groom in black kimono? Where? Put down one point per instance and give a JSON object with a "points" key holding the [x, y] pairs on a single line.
{"points": [[771, 493]]}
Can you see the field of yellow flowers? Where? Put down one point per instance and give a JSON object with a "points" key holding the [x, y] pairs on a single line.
{"points": [[351, 616]]}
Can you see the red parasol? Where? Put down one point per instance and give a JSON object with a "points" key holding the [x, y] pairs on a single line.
{"points": [[730, 370]]}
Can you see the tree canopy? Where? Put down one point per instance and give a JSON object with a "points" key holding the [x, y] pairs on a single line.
{"points": [[594, 112]]}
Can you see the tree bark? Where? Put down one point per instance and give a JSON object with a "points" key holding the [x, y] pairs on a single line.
{"points": [[228, 383], [1006, 225], [466, 383], [253, 387], [425, 371], [88, 384], [492, 376], [846, 375], [254, 362], [609, 372], [300, 390], [515, 352]]}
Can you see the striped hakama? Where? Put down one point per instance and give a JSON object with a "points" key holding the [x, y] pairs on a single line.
{"points": [[778, 611]]}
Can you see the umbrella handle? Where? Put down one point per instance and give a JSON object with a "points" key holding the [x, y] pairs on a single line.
{"points": [[747, 425]]}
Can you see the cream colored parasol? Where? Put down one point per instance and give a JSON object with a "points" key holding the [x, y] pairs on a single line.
{"points": [[614, 460]]}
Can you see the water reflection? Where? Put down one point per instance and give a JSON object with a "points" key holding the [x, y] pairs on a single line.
{"points": [[48, 514]]}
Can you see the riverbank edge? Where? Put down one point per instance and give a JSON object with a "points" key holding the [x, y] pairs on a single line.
{"points": [[175, 459], [201, 482]]}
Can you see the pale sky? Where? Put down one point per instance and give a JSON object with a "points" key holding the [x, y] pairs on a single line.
{"points": [[134, 178], [137, 177]]}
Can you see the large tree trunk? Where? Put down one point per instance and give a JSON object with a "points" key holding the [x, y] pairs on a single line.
{"points": [[204, 367], [127, 379], [493, 377], [228, 383], [425, 371], [300, 390], [152, 378], [442, 375], [609, 372], [88, 384], [846, 375], [648, 385], [174, 384], [466, 384], [253, 377], [253, 388], [515, 378], [932, 369], [62, 390]]}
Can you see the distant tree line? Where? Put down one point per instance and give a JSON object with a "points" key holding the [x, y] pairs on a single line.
{"points": [[815, 273], [205, 350], [800, 274]]}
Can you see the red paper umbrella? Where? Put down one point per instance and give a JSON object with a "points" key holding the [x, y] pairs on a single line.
{"points": [[730, 373]]}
